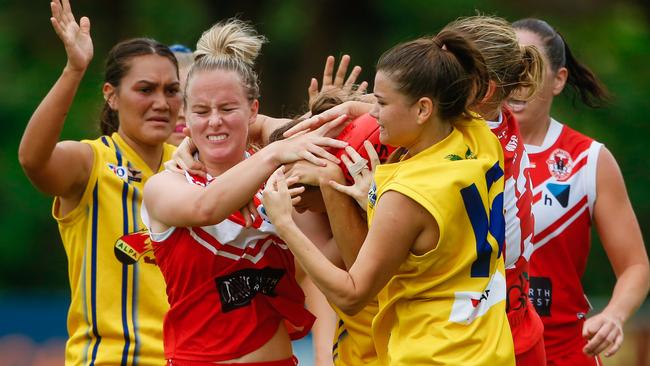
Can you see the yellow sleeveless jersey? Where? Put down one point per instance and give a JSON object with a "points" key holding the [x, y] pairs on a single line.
{"points": [[447, 307], [118, 298], [353, 344]]}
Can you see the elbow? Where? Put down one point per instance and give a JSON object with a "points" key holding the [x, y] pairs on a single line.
{"points": [[203, 214], [206, 212], [351, 305], [26, 160]]}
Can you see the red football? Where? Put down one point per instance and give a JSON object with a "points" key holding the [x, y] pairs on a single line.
{"points": [[355, 133]]}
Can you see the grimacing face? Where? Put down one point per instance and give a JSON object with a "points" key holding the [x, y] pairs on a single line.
{"points": [[148, 99], [218, 115]]}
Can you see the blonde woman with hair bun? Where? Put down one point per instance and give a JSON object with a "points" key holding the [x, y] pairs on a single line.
{"points": [[230, 279]]}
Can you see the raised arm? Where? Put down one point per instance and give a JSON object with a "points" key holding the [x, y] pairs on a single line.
{"points": [[59, 168], [399, 222], [621, 236]]}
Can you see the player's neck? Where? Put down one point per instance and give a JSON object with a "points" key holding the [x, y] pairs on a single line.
{"points": [[535, 133]]}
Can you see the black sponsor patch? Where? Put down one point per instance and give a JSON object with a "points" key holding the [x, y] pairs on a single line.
{"points": [[540, 293], [239, 288]]}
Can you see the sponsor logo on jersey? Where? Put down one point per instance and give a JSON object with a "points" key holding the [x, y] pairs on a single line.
{"points": [[560, 192], [540, 293], [239, 288], [560, 164], [469, 154], [372, 195], [512, 144], [127, 174], [131, 247], [469, 305]]}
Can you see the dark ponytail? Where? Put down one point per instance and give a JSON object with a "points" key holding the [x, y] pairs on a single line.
{"points": [[108, 120], [118, 65], [583, 81], [446, 68]]}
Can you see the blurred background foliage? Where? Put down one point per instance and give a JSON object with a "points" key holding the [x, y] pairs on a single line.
{"points": [[612, 37]]}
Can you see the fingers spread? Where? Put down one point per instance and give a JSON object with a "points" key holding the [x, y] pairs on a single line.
{"points": [[354, 74], [363, 87], [342, 70], [328, 72]]}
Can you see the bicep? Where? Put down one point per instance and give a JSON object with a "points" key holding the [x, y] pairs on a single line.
{"points": [[66, 172], [614, 216], [397, 225], [171, 201]]}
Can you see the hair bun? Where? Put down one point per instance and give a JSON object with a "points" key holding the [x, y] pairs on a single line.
{"points": [[230, 39]]}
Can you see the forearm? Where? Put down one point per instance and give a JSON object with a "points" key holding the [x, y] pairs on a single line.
{"points": [[336, 284], [234, 188], [44, 128], [349, 228], [629, 293]]}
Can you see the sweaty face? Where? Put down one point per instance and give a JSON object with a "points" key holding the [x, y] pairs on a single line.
{"points": [[219, 114], [536, 109], [396, 115], [148, 100]]}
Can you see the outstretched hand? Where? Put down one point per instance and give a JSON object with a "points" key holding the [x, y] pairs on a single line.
{"points": [[358, 168], [311, 146], [75, 37], [331, 82]]}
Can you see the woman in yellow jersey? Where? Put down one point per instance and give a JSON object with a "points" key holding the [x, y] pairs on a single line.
{"points": [[432, 256], [117, 292]]}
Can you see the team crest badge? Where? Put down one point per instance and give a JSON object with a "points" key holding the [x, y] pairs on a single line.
{"points": [[560, 164], [127, 174], [131, 247]]}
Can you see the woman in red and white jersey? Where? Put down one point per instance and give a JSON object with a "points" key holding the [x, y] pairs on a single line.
{"points": [[576, 181], [230, 282], [511, 66]]}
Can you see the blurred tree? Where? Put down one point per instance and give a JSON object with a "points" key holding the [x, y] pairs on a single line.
{"points": [[611, 37]]}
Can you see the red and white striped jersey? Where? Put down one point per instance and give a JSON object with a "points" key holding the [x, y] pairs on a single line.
{"points": [[229, 287], [564, 193], [517, 204], [518, 197]]}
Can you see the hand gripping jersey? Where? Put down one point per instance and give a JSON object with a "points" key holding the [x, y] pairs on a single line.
{"points": [[229, 288], [527, 328], [447, 306], [564, 192], [118, 294]]}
